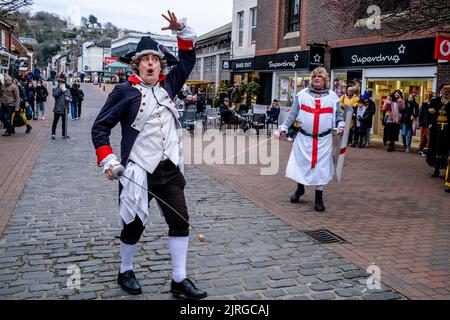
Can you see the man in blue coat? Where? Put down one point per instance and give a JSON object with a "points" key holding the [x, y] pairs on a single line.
{"points": [[151, 151]]}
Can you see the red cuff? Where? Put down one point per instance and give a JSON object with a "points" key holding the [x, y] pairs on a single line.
{"points": [[185, 44], [102, 152]]}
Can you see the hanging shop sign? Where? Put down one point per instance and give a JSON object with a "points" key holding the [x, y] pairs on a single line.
{"points": [[316, 57], [442, 48]]}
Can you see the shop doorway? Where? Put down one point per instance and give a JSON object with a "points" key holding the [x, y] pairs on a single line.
{"points": [[380, 89]]}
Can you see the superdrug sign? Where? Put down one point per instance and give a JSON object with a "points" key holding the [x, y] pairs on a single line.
{"points": [[283, 61], [420, 51]]}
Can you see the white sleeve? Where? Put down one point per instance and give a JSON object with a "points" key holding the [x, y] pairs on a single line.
{"points": [[109, 161]]}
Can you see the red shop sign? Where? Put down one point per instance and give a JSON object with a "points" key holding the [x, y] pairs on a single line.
{"points": [[442, 48]]}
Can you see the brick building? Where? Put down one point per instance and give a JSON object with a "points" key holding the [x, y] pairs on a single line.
{"points": [[373, 60], [15, 57]]}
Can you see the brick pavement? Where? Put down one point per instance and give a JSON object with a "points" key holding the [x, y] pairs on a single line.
{"points": [[18, 154], [387, 207], [67, 216], [400, 221]]}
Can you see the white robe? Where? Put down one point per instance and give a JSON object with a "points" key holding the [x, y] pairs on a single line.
{"points": [[309, 164]]}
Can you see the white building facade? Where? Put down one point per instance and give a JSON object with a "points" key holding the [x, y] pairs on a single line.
{"points": [[93, 55], [128, 42], [243, 35]]}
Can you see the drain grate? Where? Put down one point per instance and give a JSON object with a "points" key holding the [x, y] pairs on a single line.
{"points": [[325, 236]]}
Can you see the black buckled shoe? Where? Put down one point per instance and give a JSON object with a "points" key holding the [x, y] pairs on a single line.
{"points": [[298, 193], [187, 289], [319, 206], [128, 282]]}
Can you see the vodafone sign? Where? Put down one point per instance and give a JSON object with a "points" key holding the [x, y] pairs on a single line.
{"points": [[442, 48]]}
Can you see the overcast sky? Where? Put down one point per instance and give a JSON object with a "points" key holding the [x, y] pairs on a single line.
{"points": [[144, 15]]}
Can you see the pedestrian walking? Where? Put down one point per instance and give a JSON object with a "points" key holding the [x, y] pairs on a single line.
{"points": [[74, 102], [409, 115], [424, 125], [393, 107], [62, 100], [41, 98], [151, 151], [80, 100]]}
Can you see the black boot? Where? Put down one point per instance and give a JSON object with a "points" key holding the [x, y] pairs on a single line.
{"points": [[28, 129], [128, 282], [435, 173], [298, 193], [319, 201], [186, 289]]}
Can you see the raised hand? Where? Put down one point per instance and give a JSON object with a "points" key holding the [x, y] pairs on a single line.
{"points": [[174, 24]]}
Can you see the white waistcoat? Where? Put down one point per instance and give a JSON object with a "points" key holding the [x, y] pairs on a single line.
{"points": [[159, 135]]}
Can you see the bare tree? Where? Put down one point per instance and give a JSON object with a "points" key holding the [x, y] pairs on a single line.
{"points": [[11, 7], [400, 17], [84, 22]]}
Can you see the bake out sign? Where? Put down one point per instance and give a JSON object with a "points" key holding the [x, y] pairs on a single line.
{"points": [[442, 48], [243, 65]]}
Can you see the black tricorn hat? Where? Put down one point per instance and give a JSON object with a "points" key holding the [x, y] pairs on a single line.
{"points": [[149, 46]]}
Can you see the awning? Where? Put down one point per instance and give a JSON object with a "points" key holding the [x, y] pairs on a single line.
{"points": [[195, 82]]}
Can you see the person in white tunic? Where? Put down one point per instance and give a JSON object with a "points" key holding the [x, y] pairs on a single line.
{"points": [[317, 111]]}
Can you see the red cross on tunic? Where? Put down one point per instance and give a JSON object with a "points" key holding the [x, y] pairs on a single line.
{"points": [[317, 112]]}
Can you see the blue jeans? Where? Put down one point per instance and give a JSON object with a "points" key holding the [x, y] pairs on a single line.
{"points": [[40, 109], [73, 109], [407, 132], [7, 112]]}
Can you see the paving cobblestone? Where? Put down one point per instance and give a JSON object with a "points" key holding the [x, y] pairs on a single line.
{"points": [[248, 253]]}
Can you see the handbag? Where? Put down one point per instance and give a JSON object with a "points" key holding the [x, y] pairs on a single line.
{"points": [[17, 120]]}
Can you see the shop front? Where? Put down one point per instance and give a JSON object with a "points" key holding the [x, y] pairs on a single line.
{"points": [[383, 68], [286, 74], [6, 60], [241, 71]]}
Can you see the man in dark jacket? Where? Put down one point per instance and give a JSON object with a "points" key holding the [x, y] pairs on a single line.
{"points": [[439, 118], [424, 125], [151, 152], [229, 114], [62, 101], [80, 100], [367, 117]]}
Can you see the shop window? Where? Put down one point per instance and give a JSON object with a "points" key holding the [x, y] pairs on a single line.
{"points": [[213, 64], [294, 15], [240, 28], [207, 67], [253, 25]]}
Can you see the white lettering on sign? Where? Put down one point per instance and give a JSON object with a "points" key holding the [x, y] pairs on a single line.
{"points": [[281, 64], [380, 58], [445, 52], [243, 65]]}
